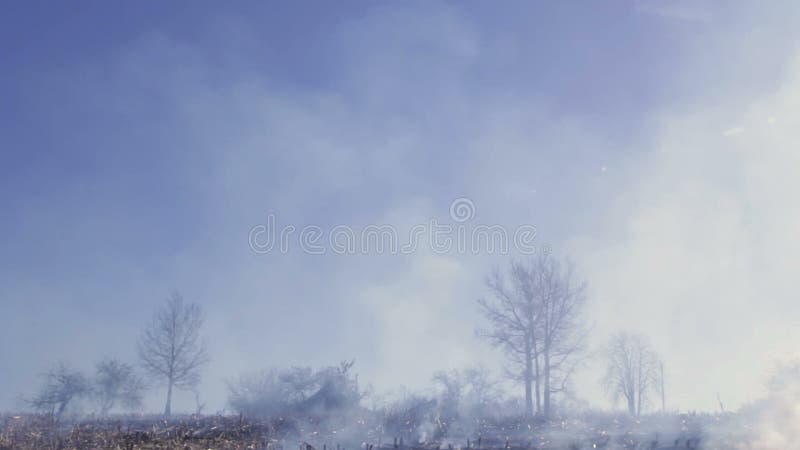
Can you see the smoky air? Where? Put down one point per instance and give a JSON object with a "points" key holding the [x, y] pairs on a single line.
{"points": [[399, 225]]}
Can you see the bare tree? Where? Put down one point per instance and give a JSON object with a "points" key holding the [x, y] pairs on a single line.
{"points": [[116, 383], [450, 385], [471, 391], [512, 314], [535, 318], [62, 385], [170, 348], [482, 389], [199, 405], [561, 298], [632, 372]]}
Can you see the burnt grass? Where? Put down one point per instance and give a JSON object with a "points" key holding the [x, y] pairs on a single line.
{"points": [[209, 432], [41, 432]]}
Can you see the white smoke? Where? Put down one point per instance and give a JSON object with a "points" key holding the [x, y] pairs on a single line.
{"points": [[776, 418]]}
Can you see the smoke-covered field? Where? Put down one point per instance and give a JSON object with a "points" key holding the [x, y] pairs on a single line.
{"points": [[409, 225], [326, 409], [369, 430]]}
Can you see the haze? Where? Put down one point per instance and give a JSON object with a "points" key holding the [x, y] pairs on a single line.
{"points": [[653, 143]]}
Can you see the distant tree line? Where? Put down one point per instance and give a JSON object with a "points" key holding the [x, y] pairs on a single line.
{"points": [[170, 353], [534, 312]]}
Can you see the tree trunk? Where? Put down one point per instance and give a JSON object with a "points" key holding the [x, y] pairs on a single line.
{"points": [[168, 406], [639, 404], [528, 384], [632, 404], [663, 395], [538, 378], [547, 381], [641, 388], [61, 407]]}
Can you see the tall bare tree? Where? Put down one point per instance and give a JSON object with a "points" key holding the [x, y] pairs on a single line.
{"points": [[170, 348], [534, 314], [512, 314], [561, 298], [633, 371]]}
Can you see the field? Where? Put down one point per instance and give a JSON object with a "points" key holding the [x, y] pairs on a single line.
{"points": [[590, 431], [128, 433]]}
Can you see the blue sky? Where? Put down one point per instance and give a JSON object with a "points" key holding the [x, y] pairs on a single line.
{"points": [[140, 142]]}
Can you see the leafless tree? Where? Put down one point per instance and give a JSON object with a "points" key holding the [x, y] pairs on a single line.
{"points": [[632, 372], [534, 314], [472, 391], [199, 405], [116, 383], [450, 385], [512, 313], [561, 300], [482, 388], [170, 348], [62, 385]]}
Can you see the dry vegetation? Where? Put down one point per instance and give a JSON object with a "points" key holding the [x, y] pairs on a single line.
{"points": [[216, 432], [41, 432]]}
